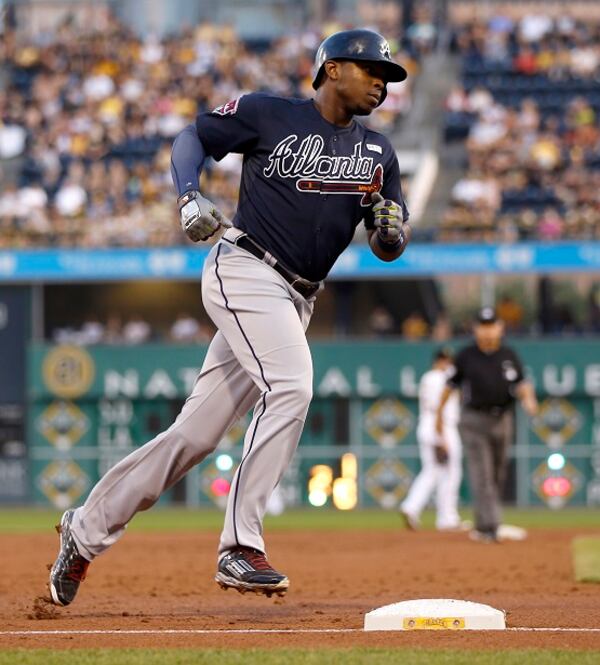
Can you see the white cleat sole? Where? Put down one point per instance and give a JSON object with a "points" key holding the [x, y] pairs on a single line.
{"points": [[226, 582], [54, 595]]}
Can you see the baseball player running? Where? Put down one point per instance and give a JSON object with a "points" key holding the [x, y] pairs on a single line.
{"points": [[441, 458], [310, 174]]}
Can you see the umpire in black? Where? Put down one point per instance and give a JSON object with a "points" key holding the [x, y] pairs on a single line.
{"points": [[490, 377]]}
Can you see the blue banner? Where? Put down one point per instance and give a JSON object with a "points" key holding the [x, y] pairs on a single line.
{"points": [[436, 259], [101, 264], [357, 262]]}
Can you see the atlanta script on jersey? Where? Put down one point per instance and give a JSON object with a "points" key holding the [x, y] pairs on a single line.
{"points": [[306, 183], [315, 171]]}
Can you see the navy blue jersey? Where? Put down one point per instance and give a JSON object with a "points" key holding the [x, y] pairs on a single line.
{"points": [[306, 183]]}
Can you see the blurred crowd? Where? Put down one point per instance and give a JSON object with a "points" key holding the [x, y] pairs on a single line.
{"points": [[555, 313], [561, 314], [87, 119], [135, 330], [528, 107]]}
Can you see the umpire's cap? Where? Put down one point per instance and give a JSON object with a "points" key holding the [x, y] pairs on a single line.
{"points": [[487, 315], [357, 44]]}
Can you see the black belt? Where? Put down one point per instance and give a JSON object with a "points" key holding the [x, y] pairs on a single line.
{"points": [[491, 410], [304, 287]]}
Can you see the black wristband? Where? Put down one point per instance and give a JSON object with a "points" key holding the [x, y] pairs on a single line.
{"points": [[390, 246]]}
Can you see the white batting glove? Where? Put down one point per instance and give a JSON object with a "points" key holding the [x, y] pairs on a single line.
{"points": [[200, 218], [388, 220]]}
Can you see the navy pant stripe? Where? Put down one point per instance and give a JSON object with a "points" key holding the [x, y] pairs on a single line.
{"points": [[264, 394]]}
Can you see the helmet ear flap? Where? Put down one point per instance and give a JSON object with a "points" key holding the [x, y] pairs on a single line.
{"points": [[318, 79]]}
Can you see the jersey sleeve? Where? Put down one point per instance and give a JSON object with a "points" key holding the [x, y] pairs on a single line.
{"points": [[231, 127], [391, 187]]}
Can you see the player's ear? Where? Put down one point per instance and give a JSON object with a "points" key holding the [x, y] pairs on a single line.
{"points": [[332, 69]]}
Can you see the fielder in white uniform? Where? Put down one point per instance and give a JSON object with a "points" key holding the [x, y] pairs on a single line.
{"points": [[441, 457]]}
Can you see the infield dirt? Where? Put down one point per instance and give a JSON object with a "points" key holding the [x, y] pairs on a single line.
{"points": [[165, 581]]}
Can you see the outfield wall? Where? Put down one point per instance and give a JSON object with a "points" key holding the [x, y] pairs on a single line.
{"points": [[89, 406]]}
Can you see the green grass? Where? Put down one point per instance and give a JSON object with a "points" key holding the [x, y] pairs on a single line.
{"points": [[31, 520], [295, 657], [586, 558]]}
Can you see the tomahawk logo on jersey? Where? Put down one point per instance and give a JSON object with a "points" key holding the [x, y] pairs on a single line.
{"points": [[290, 154], [228, 108]]}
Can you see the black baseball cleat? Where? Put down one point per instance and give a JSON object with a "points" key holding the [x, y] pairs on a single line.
{"points": [[70, 567], [247, 569]]}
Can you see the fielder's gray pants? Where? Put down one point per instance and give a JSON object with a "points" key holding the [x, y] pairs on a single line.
{"points": [[259, 357], [486, 439]]}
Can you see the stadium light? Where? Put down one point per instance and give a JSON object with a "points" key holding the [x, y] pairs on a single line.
{"points": [[319, 484], [220, 487], [224, 462], [556, 462], [345, 488], [317, 498], [349, 466], [344, 493], [556, 487]]}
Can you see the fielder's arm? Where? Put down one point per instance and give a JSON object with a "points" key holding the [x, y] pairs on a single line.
{"points": [[439, 418]]}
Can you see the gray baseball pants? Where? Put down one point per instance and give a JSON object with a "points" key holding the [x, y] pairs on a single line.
{"points": [[486, 439], [258, 358]]}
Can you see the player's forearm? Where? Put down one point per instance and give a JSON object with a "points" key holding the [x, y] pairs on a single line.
{"points": [[187, 159]]}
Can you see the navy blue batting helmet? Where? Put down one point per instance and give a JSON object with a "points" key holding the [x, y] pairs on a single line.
{"points": [[355, 45]]}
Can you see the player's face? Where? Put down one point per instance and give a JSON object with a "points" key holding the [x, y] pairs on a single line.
{"points": [[360, 85]]}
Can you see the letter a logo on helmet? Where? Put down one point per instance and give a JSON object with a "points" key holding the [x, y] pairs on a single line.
{"points": [[358, 45]]}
